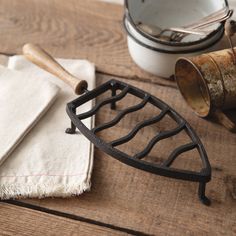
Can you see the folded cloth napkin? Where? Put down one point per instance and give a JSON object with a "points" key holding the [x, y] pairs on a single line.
{"points": [[49, 162], [23, 101]]}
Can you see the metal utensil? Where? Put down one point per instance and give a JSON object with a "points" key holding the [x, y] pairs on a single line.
{"points": [[178, 33], [213, 18], [45, 61], [199, 27]]}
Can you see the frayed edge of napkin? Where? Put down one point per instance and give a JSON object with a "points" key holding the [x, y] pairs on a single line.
{"points": [[42, 190]]}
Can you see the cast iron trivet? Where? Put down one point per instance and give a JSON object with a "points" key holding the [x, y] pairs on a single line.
{"points": [[39, 57]]}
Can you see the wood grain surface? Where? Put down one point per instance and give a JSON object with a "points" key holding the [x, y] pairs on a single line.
{"points": [[72, 29], [22, 221], [121, 196], [133, 199]]}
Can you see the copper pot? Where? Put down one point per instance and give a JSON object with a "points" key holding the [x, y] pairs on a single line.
{"points": [[208, 84]]}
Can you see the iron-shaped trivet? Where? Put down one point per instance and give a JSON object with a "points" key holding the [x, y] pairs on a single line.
{"points": [[136, 161], [41, 58]]}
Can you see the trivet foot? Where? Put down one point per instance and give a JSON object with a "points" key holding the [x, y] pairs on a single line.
{"points": [[71, 130], [201, 194]]}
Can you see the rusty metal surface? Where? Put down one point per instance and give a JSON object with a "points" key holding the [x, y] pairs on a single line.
{"points": [[212, 76], [224, 60], [216, 74]]}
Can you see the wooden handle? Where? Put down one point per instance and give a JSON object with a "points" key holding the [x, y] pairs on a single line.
{"points": [[224, 120], [42, 59]]}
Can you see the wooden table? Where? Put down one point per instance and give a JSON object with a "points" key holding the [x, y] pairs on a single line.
{"points": [[123, 200]]}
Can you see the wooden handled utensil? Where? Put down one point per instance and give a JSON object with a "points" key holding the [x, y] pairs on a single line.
{"points": [[41, 58]]}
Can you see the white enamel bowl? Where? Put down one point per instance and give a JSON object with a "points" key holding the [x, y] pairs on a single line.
{"points": [[157, 56]]}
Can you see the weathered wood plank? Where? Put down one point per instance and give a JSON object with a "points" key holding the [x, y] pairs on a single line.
{"points": [[77, 29], [122, 195], [153, 204], [22, 221], [133, 199]]}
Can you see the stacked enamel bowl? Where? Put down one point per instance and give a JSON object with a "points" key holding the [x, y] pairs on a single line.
{"points": [[156, 55]]}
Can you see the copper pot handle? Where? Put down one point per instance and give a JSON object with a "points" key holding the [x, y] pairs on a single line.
{"points": [[225, 120]]}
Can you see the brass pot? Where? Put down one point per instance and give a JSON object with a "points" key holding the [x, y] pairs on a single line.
{"points": [[208, 84]]}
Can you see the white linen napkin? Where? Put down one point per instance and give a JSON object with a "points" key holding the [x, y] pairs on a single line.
{"points": [[23, 102], [49, 162]]}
